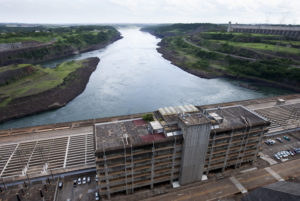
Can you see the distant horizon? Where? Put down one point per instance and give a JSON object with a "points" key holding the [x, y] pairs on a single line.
{"points": [[152, 12], [138, 23]]}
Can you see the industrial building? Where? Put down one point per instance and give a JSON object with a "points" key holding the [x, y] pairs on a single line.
{"points": [[181, 144]]}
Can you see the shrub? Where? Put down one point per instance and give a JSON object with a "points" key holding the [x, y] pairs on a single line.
{"points": [[147, 117]]}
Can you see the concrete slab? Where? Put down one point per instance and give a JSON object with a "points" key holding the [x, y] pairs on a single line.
{"points": [[267, 158], [274, 174], [238, 185]]}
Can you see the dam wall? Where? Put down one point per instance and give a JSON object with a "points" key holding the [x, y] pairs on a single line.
{"points": [[288, 31]]}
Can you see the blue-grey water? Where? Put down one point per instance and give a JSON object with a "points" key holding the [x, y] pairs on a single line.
{"points": [[132, 77]]}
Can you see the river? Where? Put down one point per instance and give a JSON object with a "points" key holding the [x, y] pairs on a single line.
{"points": [[132, 77]]}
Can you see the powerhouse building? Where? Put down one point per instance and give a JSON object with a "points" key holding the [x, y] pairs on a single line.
{"points": [[180, 145]]}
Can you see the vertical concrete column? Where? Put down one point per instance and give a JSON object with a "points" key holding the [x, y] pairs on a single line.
{"points": [[211, 152], [196, 137], [228, 150], [259, 144], [152, 165], [125, 167], [106, 175], [241, 148], [132, 171], [173, 161]]}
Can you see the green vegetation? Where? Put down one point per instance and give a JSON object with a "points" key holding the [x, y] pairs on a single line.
{"points": [[270, 58], [148, 117], [52, 42], [261, 46], [74, 35], [41, 79], [180, 29]]}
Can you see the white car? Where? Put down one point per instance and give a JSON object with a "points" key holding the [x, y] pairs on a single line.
{"points": [[83, 180], [79, 181]]}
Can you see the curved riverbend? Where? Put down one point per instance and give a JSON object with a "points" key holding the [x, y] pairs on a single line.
{"points": [[132, 77]]}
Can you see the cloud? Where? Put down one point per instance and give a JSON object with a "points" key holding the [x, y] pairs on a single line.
{"points": [[149, 11]]}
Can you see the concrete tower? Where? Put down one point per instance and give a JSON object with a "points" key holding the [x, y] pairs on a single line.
{"points": [[196, 131]]}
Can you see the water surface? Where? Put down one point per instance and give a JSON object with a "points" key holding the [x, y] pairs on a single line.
{"points": [[132, 77]]}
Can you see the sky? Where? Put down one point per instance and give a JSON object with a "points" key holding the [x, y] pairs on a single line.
{"points": [[150, 11]]}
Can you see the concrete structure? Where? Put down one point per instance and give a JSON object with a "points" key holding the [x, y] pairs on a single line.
{"points": [[196, 130], [128, 156], [155, 127], [64, 147], [289, 31]]}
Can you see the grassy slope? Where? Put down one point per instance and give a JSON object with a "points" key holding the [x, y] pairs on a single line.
{"points": [[43, 79], [261, 46], [273, 69]]}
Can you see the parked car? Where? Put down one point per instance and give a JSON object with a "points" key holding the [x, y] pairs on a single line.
{"points": [[97, 197], [75, 182], [83, 180], [88, 179], [79, 181], [270, 142], [60, 184], [276, 156], [286, 138], [279, 140], [96, 178]]}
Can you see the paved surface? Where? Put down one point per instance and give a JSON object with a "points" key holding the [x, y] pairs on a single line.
{"points": [[227, 187], [82, 192], [270, 150]]}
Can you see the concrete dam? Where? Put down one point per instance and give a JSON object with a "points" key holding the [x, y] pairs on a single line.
{"points": [[289, 31]]}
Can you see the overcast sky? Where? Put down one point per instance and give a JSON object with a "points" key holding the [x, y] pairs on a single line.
{"points": [[150, 11]]}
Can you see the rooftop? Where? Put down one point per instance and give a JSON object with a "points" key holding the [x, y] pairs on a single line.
{"points": [[170, 114], [117, 134], [275, 192], [114, 135], [193, 119], [236, 117]]}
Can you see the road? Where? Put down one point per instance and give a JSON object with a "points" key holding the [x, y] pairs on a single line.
{"points": [[213, 190], [224, 54]]}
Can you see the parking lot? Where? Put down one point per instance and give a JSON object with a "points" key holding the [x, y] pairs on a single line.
{"points": [[278, 146], [82, 192]]}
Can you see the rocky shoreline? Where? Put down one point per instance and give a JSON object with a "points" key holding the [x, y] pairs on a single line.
{"points": [[167, 54], [73, 85]]}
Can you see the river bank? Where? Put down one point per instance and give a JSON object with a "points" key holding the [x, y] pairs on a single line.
{"points": [[64, 44], [180, 62], [73, 85]]}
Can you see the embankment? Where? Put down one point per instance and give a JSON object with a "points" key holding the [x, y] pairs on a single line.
{"points": [[47, 51], [180, 62], [56, 97]]}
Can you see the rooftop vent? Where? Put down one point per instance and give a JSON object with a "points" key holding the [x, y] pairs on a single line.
{"points": [[280, 101], [216, 117]]}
